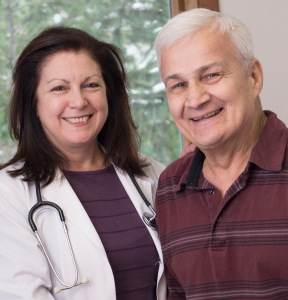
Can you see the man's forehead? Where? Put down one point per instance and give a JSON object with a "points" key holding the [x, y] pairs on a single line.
{"points": [[204, 39], [199, 53]]}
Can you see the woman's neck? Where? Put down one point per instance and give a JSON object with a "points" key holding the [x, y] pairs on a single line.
{"points": [[91, 160]]}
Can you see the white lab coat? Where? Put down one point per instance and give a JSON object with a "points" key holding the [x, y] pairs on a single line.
{"points": [[24, 271]]}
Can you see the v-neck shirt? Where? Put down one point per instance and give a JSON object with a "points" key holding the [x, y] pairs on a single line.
{"points": [[129, 246]]}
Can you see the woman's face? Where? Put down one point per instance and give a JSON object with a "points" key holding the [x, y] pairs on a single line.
{"points": [[71, 100]]}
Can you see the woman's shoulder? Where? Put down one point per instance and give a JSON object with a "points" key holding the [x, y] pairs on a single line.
{"points": [[14, 183], [14, 192], [5, 172], [154, 168]]}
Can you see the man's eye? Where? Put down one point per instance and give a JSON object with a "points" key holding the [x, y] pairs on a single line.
{"points": [[178, 85], [176, 88], [212, 77]]}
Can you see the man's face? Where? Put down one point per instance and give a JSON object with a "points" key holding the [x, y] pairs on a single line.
{"points": [[211, 97]]}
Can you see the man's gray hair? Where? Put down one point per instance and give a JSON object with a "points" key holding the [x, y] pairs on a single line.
{"points": [[185, 24]]}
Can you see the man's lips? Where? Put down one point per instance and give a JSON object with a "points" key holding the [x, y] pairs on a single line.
{"points": [[212, 114], [77, 120]]}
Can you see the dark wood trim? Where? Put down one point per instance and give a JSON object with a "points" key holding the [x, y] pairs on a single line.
{"points": [[210, 4], [178, 6]]}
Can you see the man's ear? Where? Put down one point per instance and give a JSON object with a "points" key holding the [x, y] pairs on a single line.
{"points": [[257, 76]]}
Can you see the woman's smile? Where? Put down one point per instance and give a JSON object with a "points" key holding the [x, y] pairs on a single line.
{"points": [[78, 120]]}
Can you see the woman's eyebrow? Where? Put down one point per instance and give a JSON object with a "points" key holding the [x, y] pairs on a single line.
{"points": [[94, 75], [60, 79]]}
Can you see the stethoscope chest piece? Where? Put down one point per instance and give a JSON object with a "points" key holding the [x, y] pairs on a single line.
{"points": [[148, 218]]}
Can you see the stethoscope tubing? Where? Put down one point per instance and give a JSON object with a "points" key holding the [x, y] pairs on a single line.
{"points": [[40, 203], [149, 220]]}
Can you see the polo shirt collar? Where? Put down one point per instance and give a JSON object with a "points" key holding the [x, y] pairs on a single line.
{"points": [[193, 171], [268, 152]]}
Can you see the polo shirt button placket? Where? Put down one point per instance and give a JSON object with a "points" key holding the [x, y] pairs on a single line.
{"points": [[219, 238]]}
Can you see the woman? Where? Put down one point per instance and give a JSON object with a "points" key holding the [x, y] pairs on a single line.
{"points": [[70, 114]]}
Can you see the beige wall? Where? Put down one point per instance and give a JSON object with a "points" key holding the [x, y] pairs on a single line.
{"points": [[268, 22]]}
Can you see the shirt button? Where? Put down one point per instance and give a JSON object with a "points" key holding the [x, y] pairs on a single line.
{"points": [[211, 192], [219, 219]]}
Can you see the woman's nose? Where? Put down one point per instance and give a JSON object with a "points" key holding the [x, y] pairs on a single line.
{"points": [[78, 99]]}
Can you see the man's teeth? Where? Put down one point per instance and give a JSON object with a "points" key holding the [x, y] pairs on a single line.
{"points": [[78, 120], [208, 116]]}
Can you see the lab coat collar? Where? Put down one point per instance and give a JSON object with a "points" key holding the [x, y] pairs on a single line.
{"points": [[61, 193]]}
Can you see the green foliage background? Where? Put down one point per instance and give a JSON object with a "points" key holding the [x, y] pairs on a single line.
{"points": [[129, 24]]}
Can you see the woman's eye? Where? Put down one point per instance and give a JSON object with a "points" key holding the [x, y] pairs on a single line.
{"points": [[58, 88], [91, 85]]}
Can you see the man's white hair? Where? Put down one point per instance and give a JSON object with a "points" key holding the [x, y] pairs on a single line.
{"points": [[185, 24]]}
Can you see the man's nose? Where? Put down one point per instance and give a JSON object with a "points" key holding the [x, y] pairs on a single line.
{"points": [[196, 94]]}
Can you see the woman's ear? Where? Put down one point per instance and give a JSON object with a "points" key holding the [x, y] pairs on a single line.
{"points": [[257, 76]]}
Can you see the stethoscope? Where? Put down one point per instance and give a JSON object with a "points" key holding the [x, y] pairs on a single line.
{"points": [[148, 218]]}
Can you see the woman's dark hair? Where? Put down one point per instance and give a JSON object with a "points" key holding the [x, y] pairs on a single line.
{"points": [[119, 136]]}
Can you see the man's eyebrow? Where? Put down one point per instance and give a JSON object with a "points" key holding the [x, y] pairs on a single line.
{"points": [[172, 77], [209, 66], [197, 71]]}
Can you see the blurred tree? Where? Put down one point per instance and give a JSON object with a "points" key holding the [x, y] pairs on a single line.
{"points": [[129, 24]]}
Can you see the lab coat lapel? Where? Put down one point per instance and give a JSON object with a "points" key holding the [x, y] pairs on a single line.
{"points": [[147, 187], [61, 193]]}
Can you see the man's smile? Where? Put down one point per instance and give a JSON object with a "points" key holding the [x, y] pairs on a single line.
{"points": [[212, 114]]}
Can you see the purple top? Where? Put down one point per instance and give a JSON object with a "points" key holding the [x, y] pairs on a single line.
{"points": [[129, 246]]}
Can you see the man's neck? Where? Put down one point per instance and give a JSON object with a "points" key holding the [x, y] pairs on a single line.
{"points": [[222, 172], [224, 165]]}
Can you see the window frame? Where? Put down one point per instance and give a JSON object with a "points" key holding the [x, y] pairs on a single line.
{"points": [[178, 6]]}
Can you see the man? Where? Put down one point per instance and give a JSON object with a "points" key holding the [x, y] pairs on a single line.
{"points": [[222, 211]]}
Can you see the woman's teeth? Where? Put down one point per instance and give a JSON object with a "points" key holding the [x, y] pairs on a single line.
{"points": [[77, 120]]}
